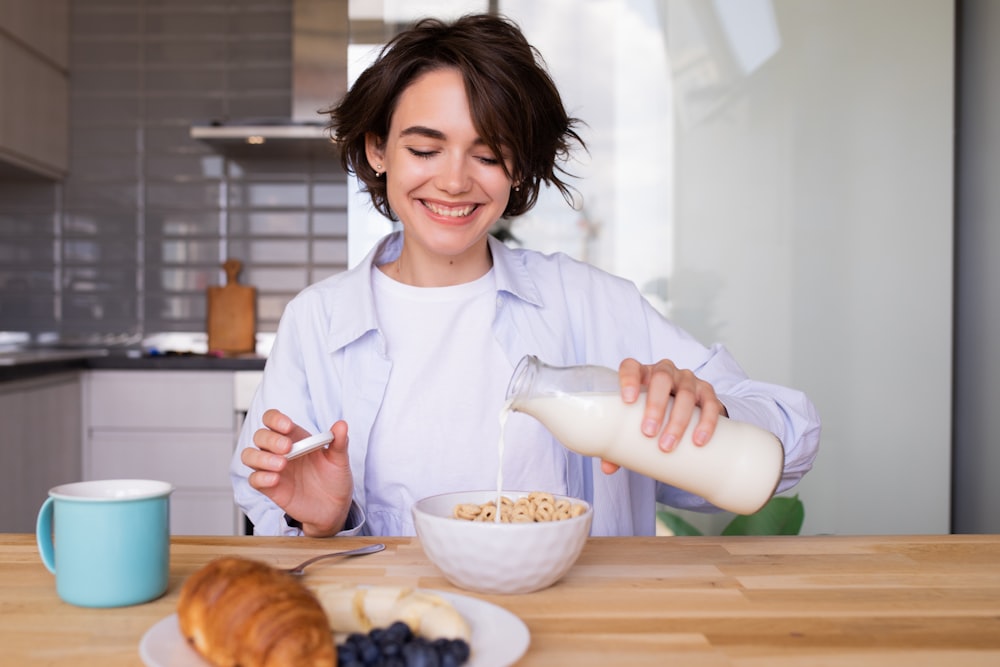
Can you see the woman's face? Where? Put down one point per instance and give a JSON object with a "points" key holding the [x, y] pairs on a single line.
{"points": [[444, 183]]}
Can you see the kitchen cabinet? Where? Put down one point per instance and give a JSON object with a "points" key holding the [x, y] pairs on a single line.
{"points": [[40, 418], [178, 426], [34, 87]]}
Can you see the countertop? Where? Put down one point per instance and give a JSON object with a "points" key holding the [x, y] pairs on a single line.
{"points": [[753, 601], [34, 362]]}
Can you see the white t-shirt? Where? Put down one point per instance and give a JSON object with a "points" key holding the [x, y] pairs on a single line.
{"points": [[438, 428]]}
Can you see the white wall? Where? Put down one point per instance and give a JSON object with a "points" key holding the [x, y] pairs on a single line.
{"points": [[800, 204], [814, 237]]}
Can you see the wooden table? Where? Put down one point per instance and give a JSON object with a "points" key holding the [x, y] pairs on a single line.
{"points": [[755, 601]]}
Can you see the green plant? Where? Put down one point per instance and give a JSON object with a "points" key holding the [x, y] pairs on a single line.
{"points": [[780, 516]]}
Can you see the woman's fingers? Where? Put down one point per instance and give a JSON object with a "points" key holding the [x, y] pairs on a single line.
{"points": [[664, 382], [630, 378]]}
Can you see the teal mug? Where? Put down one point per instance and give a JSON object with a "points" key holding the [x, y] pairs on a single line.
{"points": [[107, 541]]}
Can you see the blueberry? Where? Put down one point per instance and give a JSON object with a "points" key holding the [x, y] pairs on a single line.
{"points": [[460, 649], [368, 651], [397, 646], [399, 632], [391, 649], [420, 654], [346, 653]]}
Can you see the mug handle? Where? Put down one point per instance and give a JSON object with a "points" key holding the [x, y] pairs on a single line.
{"points": [[43, 535]]}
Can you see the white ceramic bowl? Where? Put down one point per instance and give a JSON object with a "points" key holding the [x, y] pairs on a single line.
{"points": [[505, 558]]}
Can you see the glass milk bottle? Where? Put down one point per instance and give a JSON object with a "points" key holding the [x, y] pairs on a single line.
{"points": [[737, 470]]}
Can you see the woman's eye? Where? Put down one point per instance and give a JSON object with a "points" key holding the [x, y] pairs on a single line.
{"points": [[421, 154], [489, 160]]}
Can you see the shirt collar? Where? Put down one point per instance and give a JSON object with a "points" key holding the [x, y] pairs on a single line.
{"points": [[355, 292], [355, 298], [512, 274]]}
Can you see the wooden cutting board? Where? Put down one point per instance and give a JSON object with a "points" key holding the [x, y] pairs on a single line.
{"points": [[232, 314]]}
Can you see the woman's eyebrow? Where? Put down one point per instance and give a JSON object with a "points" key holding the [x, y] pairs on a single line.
{"points": [[423, 132], [431, 133]]}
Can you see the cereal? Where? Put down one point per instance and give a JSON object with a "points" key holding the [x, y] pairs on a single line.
{"points": [[535, 507]]}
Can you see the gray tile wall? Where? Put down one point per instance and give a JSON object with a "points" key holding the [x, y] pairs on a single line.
{"points": [[127, 245]]}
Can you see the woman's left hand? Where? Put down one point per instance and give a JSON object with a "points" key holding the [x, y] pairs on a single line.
{"points": [[661, 381]]}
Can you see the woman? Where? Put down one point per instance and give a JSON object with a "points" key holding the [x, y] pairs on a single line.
{"points": [[454, 127]]}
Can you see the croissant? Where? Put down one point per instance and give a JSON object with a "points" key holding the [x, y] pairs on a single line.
{"points": [[237, 612]]}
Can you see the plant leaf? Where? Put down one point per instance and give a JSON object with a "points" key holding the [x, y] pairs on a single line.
{"points": [[677, 525], [780, 516]]}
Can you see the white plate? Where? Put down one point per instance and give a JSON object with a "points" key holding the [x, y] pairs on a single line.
{"points": [[499, 638], [306, 445]]}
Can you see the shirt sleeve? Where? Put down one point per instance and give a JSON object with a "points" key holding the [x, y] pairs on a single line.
{"points": [[600, 318], [650, 337], [278, 524], [286, 387], [785, 412]]}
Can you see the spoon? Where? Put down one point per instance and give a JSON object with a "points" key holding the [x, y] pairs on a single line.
{"points": [[370, 549]]}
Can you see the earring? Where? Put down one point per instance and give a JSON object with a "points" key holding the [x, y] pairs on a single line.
{"points": [[378, 171], [517, 188]]}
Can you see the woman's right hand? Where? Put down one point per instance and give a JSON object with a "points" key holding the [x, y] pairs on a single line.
{"points": [[316, 488]]}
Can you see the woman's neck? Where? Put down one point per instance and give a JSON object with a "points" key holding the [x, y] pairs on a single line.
{"points": [[424, 270]]}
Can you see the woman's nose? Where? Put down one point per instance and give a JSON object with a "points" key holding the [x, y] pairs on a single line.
{"points": [[454, 175]]}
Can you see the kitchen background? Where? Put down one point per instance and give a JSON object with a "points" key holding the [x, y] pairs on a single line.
{"points": [[778, 176]]}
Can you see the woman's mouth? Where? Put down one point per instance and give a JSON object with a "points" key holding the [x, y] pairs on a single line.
{"points": [[449, 211]]}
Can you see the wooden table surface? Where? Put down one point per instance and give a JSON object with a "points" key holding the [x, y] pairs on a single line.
{"points": [[755, 601]]}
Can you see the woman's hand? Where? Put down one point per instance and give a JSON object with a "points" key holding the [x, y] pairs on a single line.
{"points": [[661, 381], [315, 488]]}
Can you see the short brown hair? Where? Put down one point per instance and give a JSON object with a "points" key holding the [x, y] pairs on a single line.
{"points": [[512, 99]]}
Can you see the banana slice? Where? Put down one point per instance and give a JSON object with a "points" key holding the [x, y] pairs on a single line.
{"points": [[344, 607], [359, 609], [412, 609], [444, 622], [380, 603]]}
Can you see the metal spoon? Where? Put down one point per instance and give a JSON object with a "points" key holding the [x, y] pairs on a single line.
{"points": [[370, 549]]}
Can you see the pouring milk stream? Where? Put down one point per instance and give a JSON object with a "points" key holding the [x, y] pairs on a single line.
{"points": [[737, 470]]}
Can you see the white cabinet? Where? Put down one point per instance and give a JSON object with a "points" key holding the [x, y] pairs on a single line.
{"points": [[34, 86], [40, 422], [178, 426]]}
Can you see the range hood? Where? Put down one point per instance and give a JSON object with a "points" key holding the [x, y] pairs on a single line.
{"points": [[319, 78]]}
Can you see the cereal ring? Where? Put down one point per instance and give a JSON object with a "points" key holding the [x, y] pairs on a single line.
{"points": [[537, 497], [535, 507], [488, 513], [522, 513], [467, 511], [545, 511]]}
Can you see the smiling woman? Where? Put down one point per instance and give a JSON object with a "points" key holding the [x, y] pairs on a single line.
{"points": [[453, 127], [511, 101], [442, 180]]}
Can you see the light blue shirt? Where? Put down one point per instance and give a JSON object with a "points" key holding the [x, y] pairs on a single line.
{"points": [[329, 362]]}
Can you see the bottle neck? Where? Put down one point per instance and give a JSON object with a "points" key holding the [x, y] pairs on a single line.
{"points": [[523, 379]]}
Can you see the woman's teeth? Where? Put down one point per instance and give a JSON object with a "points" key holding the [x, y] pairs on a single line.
{"points": [[449, 211]]}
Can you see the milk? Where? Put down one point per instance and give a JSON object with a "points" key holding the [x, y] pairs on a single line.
{"points": [[504, 413], [737, 470]]}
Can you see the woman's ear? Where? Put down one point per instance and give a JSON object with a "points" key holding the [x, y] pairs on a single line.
{"points": [[375, 152]]}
